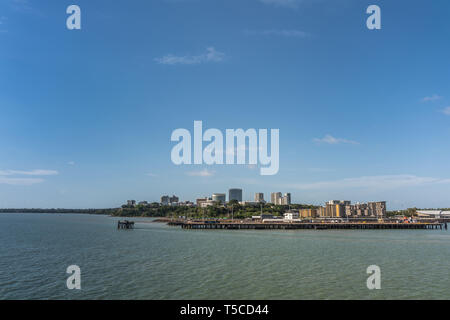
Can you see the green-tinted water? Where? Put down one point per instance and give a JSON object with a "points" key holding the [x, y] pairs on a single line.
{"points": [[155, 261]]}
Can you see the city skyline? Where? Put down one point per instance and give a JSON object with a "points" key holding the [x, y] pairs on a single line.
{"points": [[87, 115]]}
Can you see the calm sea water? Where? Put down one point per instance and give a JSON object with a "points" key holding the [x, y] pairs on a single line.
{"points": [[155, 261]]}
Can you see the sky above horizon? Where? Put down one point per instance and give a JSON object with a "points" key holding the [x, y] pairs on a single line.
{"points": [[87, 115]]}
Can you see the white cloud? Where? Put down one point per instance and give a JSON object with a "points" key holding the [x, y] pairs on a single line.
{"points": [[71, 163], [446, 111], [211, 55], [377, 182], [202, 173], [20, 181], [6, 179], [332, 140], [282, 3], [434, 97], [38, 172], [281, 33]]}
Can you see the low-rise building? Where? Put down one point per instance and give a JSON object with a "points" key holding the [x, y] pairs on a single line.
{"points": [[219, 197], [291, 215], [309, 213]]}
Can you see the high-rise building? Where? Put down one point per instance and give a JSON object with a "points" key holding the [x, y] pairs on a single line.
{"points": [[279, 199], [235, 194], [219, 197], [286, 200], [166, 200], [259, 197], [275, 197]]}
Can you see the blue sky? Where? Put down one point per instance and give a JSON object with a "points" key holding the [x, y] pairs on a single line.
{"points": [[87, 115]]}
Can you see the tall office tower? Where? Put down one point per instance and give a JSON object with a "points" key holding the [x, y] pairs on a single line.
{"points": [[235, 194], [174, 199], [165, 200], [218, 197], [259, 197], [286, 200], [275, 197]]}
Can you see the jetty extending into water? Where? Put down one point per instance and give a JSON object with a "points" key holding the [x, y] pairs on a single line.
{"points": [[282, 225]]}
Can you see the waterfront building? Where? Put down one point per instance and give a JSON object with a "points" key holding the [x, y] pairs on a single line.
{"points": [[377, 209], [291, 215], [437, 214], [235, 194], [174, 199], [259, 197], [309, 213], [336, 208], [370, 209], [131, 203]]}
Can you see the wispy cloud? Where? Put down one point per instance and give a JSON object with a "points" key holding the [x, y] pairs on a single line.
{"points": [[202, 173], [38, 172], [446, 111], [211, 55], [283, 3], [20, 181], [279, 33], [5, 176], [329, 139], [71, 163], [377, 182], [434, 97]]}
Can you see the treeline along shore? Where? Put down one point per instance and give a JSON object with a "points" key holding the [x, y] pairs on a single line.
{"points": [[59, 210], [217, 211]]}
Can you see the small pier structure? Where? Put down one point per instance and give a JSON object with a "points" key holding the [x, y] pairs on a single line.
{"points": [[125, 224]]}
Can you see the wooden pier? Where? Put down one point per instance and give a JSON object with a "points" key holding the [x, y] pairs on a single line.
{"points": [[125, 224], [309, 226]]}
